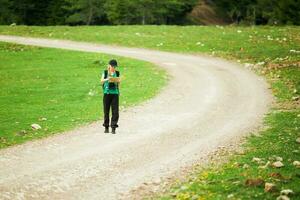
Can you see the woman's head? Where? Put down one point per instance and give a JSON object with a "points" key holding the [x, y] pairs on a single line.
{"points": [[113, 63]]}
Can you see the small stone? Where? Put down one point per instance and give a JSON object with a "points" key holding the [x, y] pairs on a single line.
{"points": [[295, 98], [278, 164], [240, 152], [183, 187], [35, 126], [276, 175], [296, 163], [236, 182], [248, 65], [156, 181], [283, 197], [254, 182], [256, 159], [260, 63], [287, 192], [298, 140], [246, 166], [270, 187], [296, 151]]}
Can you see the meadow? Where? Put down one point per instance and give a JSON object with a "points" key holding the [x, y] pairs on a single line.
{"points": [[233, 42], [60, 90], [272, 52]]}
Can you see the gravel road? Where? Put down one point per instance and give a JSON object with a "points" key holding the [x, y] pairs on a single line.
{"points": [[209, 102]]}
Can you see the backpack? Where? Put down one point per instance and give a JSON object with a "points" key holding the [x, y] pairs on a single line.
{"points": [[111, 85]]}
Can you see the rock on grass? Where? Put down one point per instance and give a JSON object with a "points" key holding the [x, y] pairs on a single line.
{"points": [[256, 159], [287, 192], [283, 197], [35, 126], [296, 163], [254, 182], [270, 187], [278, 164], [246, 166], [276, 175]]}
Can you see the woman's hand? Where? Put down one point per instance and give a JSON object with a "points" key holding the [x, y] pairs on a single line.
{"points": [[114, 79]]}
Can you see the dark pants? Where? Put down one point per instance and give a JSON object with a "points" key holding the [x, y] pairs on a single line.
{"points": [[111, 100]]}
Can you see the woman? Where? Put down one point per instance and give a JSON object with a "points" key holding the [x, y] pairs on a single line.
{"points": [[111, 81]]}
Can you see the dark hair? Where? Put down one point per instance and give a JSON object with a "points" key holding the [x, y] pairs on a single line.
{"points": [[113, 63]]}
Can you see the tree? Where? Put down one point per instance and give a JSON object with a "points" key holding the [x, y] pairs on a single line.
{"points": [[121, 11], [148, 11], [88, 12], [85, 11], [6, 15], [56, 12], [288, 12]]}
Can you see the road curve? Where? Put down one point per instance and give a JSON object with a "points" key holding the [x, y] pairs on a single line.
{"points": [[208, 102]]}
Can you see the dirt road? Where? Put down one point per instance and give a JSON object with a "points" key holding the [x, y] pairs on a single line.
{"points": [[208, 102]]}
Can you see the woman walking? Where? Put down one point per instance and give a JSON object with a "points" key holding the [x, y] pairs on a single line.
{"points": [[111, 81]]}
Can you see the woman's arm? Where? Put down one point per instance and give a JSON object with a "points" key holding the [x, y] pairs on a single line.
{"points": [[103, 79]]}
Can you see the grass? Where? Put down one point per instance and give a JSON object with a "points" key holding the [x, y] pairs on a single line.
{"points": [[236, 42], [63, 87], [273, 52]]}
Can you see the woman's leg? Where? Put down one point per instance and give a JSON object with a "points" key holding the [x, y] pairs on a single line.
{"points": [[115, 110], [106, 108]]}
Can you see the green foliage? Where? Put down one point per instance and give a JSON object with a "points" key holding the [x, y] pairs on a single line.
{"points": [[79, 12], [32, 12], [63, 87], [5, 14], [85, 11], [120, 12], [260, 12]]}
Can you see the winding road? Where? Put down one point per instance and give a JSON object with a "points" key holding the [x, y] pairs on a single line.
{"points": [[209, 102]]}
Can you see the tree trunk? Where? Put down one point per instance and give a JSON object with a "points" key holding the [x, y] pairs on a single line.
{"points": [[143, 19], [90, 17]]}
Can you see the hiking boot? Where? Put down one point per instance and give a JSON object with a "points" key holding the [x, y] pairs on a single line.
{"points": [[106, 130], [113, 130]]}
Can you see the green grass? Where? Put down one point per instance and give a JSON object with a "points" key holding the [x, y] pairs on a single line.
{"points": [[226, 41], [63, 87], [275, 48]]}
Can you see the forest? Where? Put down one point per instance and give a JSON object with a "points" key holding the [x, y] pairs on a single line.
{"points": [[124, 12]]}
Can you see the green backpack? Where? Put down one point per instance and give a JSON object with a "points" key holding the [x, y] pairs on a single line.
{"points": [[111, 85]]}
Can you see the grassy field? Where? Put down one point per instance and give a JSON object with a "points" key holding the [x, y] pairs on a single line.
{"points": [[273, 52], [60, 89], [236, 42]]}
